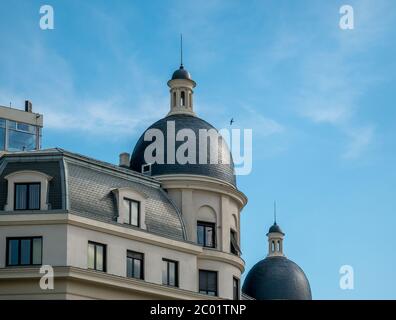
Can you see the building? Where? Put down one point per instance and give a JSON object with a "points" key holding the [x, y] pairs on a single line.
{"points": [[20, 130], [276, 277], [136, 230]]}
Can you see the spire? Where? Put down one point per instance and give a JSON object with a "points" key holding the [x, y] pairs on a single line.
{"points": [[274, 212], [181, 51]]}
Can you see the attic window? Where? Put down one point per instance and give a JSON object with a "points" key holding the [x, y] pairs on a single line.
{"points": [[27, 190], [131, 206], [146, 169]]}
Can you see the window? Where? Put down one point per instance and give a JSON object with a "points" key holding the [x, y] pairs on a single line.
{"points": [[146, 169], [235, 288], [27, 196], [133, 213], [24, 251], [182, 99], [174, 99], [208, 282], [206, 234], [170, 273], [135, 265], [234, 243], [21, 136], [96, 256], [2, 134]]}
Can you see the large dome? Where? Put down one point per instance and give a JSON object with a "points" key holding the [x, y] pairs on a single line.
{"points": [[223, 170], [277, 278]]}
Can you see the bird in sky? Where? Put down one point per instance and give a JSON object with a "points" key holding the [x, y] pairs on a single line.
{"points": [[231, 121]]}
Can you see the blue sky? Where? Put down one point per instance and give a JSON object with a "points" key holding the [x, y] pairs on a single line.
{"points": [[320, 101]]}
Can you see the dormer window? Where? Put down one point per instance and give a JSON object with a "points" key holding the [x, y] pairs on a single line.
{"points": [[234, 247], [131, 207], [27, 196], [133, 214], [27, 190]]}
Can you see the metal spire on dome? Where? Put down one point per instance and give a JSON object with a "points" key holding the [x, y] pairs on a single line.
{"points": [[274, 212], [181, 51]]}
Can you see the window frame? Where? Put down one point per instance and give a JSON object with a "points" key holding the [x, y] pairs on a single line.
{"points": [[205, 225], [104, 262], [234, 247], [238, 293], [168, 261], [206, 291], [19, 264], [3, 129], [146, 169], [28, 184], [129, 200], [133, 265]]}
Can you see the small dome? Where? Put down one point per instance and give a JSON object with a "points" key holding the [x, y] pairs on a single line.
{"points": [[277, 278], [275, 228], [181, 73]]}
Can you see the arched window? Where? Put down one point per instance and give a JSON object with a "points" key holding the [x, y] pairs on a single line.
{"points": [[183, 99], [273, 246], [278, 246], [174, 99]]}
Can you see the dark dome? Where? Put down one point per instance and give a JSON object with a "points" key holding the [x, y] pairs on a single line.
{"points": [[275, 228], [223, 171], [181, 73], [277, 278]]}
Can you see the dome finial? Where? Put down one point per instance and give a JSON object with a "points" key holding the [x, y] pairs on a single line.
{"points": [[181, 51], [275, 212]]}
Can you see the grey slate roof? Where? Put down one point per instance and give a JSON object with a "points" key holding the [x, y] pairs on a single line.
{"points": [[223, 171], [89, 183], [277, 278]]}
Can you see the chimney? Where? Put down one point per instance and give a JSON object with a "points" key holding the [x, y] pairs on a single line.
{"points": [[28, 106], [124, 160]]}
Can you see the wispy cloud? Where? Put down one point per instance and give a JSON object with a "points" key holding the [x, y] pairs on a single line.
{"points": [[38, 72], [332, 83]]}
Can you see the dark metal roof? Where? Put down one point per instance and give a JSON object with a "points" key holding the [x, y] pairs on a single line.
{"points": [[277, 278], [221, 170], [89, 188], [275, 228], [181, 73]]}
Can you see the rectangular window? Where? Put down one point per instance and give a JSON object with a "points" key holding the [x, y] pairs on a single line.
{"points": [[235, 288], [24, 251], [96, 256], [208, 282], [21, 136], [135, 265], [234, 243], [27, 196], [206, 234], [170, 273], [133, 214], [2, 134]]}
